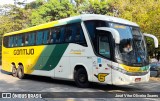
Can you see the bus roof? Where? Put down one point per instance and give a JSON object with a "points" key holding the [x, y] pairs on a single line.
{"points": [[83, 17], [107, 18]]}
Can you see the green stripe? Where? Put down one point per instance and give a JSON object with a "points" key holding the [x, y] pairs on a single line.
{"points": [[50, 57]]}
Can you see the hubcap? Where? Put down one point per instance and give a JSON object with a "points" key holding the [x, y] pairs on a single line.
{"points": [[20, 73], [14, 71], [82, 78]]}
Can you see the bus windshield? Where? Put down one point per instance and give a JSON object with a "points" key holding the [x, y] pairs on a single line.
{"points": [[132, 49]]}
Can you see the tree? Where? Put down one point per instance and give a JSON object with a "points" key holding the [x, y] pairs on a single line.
{"points": [[13, 18], [52, 10], [35, 4]]}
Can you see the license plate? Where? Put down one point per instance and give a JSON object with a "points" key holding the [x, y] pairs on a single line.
{"points": [[137, 79]]}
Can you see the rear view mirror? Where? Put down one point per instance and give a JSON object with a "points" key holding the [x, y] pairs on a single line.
{"points": [[153, 37], [114, 33]]}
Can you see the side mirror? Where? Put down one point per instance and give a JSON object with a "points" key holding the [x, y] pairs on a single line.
{"points": [[114, 33], [153, 37]]}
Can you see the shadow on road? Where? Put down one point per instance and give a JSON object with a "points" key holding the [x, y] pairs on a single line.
{"points": [[95, 86]]}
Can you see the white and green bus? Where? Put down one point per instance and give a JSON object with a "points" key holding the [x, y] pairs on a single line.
{"points": [[86, 48]]}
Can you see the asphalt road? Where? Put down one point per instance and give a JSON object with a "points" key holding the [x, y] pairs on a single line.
{"points": [[46, 84]]}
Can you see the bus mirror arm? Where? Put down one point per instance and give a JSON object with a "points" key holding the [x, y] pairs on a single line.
{"points": [[154, 38], [114, 33]]}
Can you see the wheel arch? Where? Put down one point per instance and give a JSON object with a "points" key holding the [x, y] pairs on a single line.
{"points": [[78, 66]]}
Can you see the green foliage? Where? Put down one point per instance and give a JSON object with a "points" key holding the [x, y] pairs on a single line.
{"points": [[95, 7], [35, 4], [52, 10], [13, 18]]}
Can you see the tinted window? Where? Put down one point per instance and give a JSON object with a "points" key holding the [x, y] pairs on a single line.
{"points": [[91, 27], [19, 40], [57, 35], [10, 41], [6, 41], [26, 38], [72, 33], [77, 35], [104, 47], [15, 40], [31, 38], [39, 38], [46, 36], [23, 39], [68, 35]]}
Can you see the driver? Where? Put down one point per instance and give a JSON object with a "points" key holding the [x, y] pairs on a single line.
{"points": [[127, 48]]}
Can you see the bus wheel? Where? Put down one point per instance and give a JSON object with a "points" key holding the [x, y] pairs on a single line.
{"points": [[81, 78], [20, 72], [14, 71]]}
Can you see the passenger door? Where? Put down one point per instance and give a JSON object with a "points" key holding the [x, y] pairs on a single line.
{"points": [[102, 71]]}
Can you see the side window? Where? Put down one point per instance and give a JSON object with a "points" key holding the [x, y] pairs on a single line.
{"points": [[10, 41], [79, 35], [68, 35], [62, 30], [6, 41], [55, 35], [19, 40], [46, 36], [26, 38], [15, 40], [31, 38], [39, 38], [23, 40], [104, 45], [90, 25]]}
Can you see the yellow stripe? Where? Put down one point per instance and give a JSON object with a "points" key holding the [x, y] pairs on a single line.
{"points": [[42, 26], [75, 53], [131, 69]]}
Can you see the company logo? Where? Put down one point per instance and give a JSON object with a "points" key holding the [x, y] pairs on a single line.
{"points": [[101, 76], [6, 95], [23, 52]]}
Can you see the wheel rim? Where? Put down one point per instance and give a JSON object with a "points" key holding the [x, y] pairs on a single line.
{"points": [[13, 71], [20, 73], [82, 78]]}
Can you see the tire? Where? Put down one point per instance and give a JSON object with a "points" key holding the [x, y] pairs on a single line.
{"points": [[20, 72], [81, 78], [14, 71]]}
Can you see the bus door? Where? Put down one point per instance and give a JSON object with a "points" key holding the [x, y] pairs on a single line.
{"points": [[102, 72]]}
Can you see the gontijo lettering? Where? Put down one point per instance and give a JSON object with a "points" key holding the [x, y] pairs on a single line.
{"points": [[23, 51]]}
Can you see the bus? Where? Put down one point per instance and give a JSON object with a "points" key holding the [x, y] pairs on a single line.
{"points": [[85, 48]]}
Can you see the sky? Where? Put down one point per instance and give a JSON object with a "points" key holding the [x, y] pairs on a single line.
{"points": [[2, 2]]}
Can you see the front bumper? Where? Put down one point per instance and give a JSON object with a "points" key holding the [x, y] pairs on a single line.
{"points": [[124, 79]]}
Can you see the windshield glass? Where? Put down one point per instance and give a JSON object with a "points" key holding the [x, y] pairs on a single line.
{"points": [[131, 50]]}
